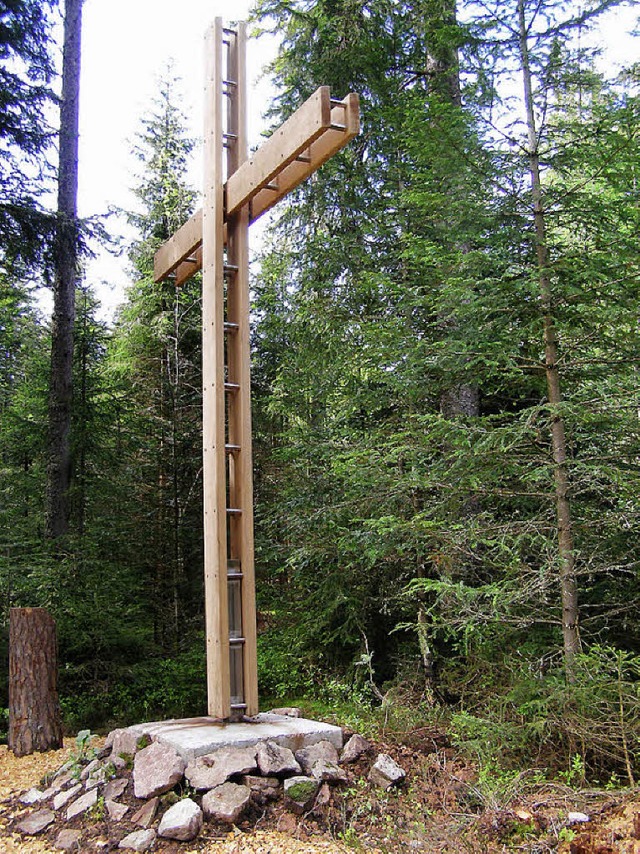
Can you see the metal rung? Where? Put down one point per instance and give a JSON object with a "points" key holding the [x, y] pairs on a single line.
{"points": [[236, 641], [229, 135], [238, 705], [303, 158], [230, 30], [232, 449], [235, 575], [234, 511], [231, 387], [231, 327], [230, 268], [229, 83], [273, 187], [334, 126], [335, 103]]}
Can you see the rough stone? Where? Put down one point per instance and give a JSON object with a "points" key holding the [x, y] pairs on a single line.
{"points": [[63, 798], [207, 772], [116, 811], [156, 769], [276, 761], [62, 780], [33, 796], [115, 788], [68, 840], [64, 769], [321, 750], [139, 840], [300, 793], [287, 711], [122, 741], [82, 804], [89, 769], [146, 814], [354, 749], [386, 772], [182, 821], [108, 742], [577, 817], [226, 802], [263, 789], [192, 737], [327, 771], [96, 778], [118, 762], [324, 796], [36, 822]]}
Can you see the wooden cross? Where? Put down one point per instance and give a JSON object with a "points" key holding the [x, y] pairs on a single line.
{"points": [[237, 190]]}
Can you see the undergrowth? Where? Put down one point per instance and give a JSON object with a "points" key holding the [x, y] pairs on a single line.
{"points": [[510, 713]]}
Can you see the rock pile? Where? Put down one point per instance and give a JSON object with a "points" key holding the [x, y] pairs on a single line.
{"points": [[173, 797]]}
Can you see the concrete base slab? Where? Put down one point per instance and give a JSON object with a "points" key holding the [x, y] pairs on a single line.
{"points": [[192, 737]]}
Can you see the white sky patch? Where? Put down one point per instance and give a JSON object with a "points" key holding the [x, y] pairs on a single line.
{"points": [[126, 45]]}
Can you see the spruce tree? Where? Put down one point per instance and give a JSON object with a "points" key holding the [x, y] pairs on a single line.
{"points": [[158, 343], [26, 75], [408, 268]]}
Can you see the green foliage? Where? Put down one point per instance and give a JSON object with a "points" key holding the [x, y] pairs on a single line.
{"points": [[27, 69], [574, 775], [405, 276], [284, 670], [146, 690], [406, 538], [98, 811], [83, 753], [585, 731]]}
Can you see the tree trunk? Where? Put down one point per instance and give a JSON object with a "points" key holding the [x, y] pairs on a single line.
{"points": [[444, 71], [569, 587], [460, 400], [34, 711], [66, 272]]}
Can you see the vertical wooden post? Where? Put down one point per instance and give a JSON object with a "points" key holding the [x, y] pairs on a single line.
{"points": [[319, 129], [34, 711], [213, 392], [239, 362]]}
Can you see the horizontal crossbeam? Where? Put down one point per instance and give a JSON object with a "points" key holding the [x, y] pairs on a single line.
{"points": [[313, 134]]}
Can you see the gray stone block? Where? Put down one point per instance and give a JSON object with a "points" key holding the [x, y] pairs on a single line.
{"points": [[156, 770], [226, 802], [182, 821]]}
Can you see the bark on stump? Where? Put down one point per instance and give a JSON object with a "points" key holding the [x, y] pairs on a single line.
{"points": [[34, 710]]}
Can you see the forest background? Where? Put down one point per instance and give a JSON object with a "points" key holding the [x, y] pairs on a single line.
{"points": [[445, 392]]}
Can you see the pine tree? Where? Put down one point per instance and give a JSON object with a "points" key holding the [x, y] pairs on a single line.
{"points": [[158, 340], [26, 74], [409, 268], [66, 260]]}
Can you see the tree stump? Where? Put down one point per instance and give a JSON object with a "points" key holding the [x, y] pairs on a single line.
{"points": [[34, 710]]}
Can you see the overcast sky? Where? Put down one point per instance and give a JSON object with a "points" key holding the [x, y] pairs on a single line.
{"points": [[126, 46]]}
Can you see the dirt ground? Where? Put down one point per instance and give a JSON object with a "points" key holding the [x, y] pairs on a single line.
{"points": [[442, 807]]}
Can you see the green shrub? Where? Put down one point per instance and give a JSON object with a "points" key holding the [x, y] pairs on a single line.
{"points": [[525, 717]]}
